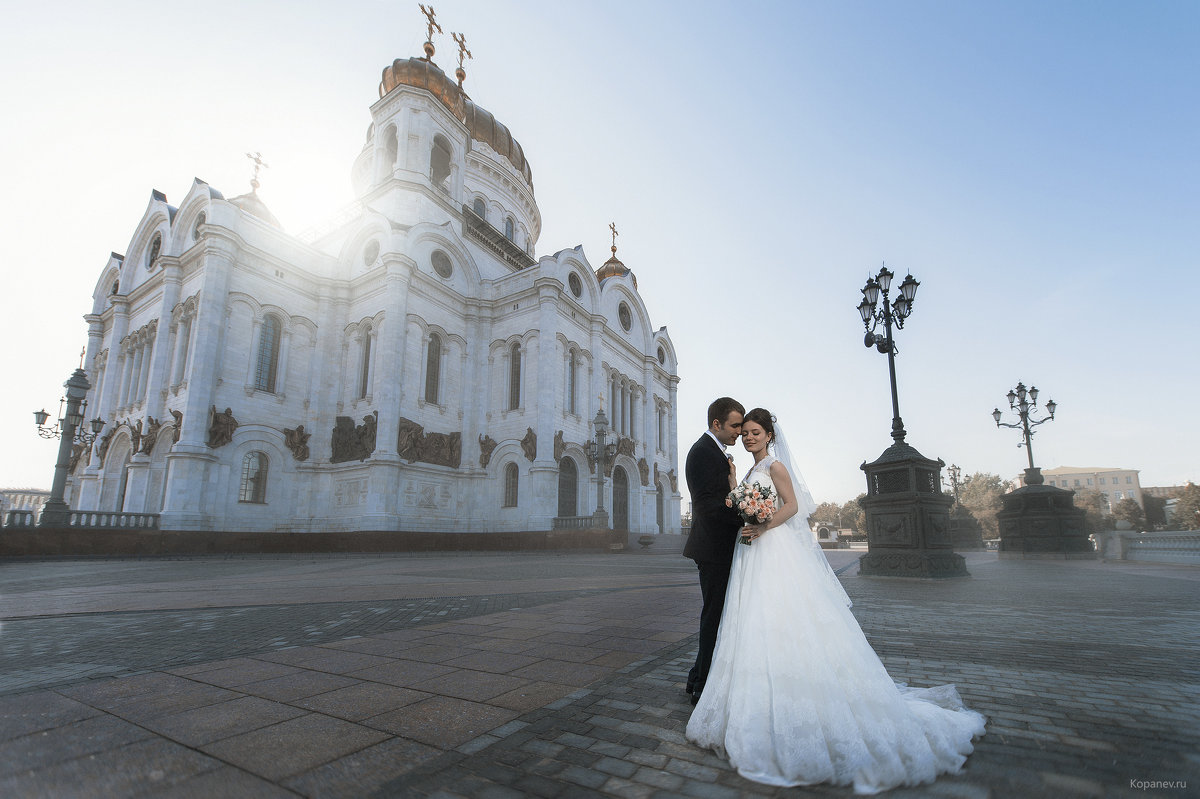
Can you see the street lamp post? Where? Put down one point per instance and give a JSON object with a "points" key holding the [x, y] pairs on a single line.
{"points": [[600, 453], [954, 473], [1024, 402], [890, 314], [69, 430]]}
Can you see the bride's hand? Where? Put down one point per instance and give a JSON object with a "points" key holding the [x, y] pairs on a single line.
{"points": [[752, 531]]}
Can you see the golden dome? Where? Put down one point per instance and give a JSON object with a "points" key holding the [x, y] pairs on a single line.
{"points": [[252, 204], [422, 74], [614, 268]]}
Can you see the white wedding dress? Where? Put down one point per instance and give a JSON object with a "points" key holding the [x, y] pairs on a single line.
{"points": [[796, 695]]}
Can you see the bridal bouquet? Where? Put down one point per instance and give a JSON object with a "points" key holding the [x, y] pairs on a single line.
{"points": [[755, 503]]}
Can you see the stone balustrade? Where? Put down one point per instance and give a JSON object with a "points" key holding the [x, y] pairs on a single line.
{"points": [[1172, 546]]}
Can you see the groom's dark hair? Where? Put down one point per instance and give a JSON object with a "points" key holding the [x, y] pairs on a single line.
{"points": [[721, 408]]}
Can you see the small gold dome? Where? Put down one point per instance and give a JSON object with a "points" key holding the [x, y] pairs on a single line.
{"points": [[614, 268]]}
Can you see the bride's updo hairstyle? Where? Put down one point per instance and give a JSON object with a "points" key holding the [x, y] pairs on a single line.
{"points": [[763, 418]]}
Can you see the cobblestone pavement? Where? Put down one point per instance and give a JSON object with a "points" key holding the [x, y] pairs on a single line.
{"points": [[1087, 672]]}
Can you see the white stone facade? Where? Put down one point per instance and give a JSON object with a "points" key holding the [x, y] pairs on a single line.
{"points": [[461, 373]]}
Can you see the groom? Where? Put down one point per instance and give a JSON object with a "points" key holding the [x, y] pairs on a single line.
{"points": [[714, 526]]}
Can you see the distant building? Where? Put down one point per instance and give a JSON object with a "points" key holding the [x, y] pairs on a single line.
{"points": [[1163, 492], [1113, 484]]}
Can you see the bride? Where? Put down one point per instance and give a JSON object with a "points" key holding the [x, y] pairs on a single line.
{"points": [[796, 695]]}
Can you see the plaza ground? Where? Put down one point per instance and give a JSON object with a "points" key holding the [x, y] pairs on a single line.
{"points": [[546, 674]]}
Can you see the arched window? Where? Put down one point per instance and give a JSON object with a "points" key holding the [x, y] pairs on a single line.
{"points": [[439, 161], [620, 499], [390, 147], [479, 208], [508, 228], [155, 249], [572, 376], [364, 367], [568, 487], [433, 363], [514, 377], [254, 478], [511, 476], [268, 355]]}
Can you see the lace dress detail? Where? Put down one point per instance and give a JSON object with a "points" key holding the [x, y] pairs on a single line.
{"points": [[796, 695]]}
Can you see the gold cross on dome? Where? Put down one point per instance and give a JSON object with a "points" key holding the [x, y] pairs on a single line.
{"points": [[429, 14], [613, 227], [82, 352], [259, 163], [461, 41]]}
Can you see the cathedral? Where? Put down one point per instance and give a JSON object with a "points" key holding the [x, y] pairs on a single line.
{"points": [[411, 366]]}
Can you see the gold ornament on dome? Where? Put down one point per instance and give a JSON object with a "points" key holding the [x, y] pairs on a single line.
{"points": [[463, 52], [429, 29]]}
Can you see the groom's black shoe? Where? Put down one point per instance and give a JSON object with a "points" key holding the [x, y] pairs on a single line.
{"points": [[695, 698]]}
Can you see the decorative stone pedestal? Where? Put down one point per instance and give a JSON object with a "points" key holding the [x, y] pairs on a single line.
{"points": [[908, 518], [1041, 521], [966, 533]]}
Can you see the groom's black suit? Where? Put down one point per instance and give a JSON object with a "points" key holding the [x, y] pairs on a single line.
{"points": [[710, 543]]}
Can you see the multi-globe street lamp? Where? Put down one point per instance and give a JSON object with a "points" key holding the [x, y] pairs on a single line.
{"points": [[69, 430], [1024, 402], [890, 314], [601, 454]]}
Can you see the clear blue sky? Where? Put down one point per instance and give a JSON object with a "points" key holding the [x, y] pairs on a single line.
{"points": [[1034, 164]]}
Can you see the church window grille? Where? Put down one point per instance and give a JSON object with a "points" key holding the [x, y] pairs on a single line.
{"points": [[511, 477], [441, 264], [439, 162], [508, 228], [572, 377], [568, 487], [370, 252], [364, 367], [200, 221], [433, 362], [625, 317], [662, 356], [254, 478], [267, 366], [391, 148], [662, 445], [576, 284], [514, 377], [479, 208]]}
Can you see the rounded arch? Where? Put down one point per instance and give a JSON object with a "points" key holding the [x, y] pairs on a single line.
{"points": [[426, 237], [371, 225], [115, 471], [640, 332], [568, 486]]}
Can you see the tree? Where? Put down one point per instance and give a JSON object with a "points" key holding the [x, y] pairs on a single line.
{"points": [[1156, 511], [981, 493], [1128, 510], [1187, 508], [827, 513], [854, 516], [1093, 504]]}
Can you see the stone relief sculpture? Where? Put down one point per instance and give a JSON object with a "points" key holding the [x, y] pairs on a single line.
{"points": [[220, 431], [625, 446], [487, 445], [644, 471], [529, 444], [350, 442], [102, 447], [77, 450], [135, 436], [674, 481], [177, 429], [408, 440], [440, 449], [560, 446], [150, 437], [296, 440]]}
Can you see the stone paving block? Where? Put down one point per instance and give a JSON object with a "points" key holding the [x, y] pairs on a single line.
{"points": [[88, 736], [361, 700], [144, 767], [499, 662], [224, 781], [298, 685], [341, 661], [561, 672], [625, 789], [294, 746], [404, 673], [365, 771], [242, 671], [442, 721], [530, 696], [221, 720], [478, 686], [657, 778], [24, 714]]}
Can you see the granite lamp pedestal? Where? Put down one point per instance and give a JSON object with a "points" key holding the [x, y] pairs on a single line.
{"points": [[966, 533], [1041, 521], [908, 518]]}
